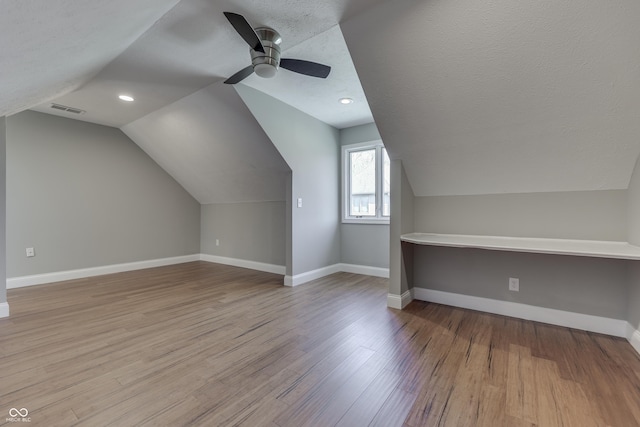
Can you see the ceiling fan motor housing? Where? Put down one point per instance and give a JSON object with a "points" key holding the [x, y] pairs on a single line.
{"points": [[266, 64]]}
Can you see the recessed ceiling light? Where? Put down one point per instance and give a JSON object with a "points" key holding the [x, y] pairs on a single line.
{"points": [[126, 98], [346, 101]]}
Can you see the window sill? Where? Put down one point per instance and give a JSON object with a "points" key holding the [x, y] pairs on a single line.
{"points": [[372, 221]]}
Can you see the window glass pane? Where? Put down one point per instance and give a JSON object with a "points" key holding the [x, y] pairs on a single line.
{"points": [[362, 197], [386, 184]]}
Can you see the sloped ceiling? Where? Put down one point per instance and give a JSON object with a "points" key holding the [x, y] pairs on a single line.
{"points": [[320, 100], [475, 97], [53, 47], [193, 46], [210, 143], [504, 96]]}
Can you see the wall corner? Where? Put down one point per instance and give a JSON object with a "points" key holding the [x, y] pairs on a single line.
{"points": [[4, 306], [633, 206], [402, 221]]}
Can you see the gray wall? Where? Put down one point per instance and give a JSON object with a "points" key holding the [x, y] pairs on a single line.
{"points": [[363, 244], [401, 256], [633, 206], [213, 146], [362, 133], [633, 230], [311, 149], [253, 231], [3, 209], [85, 195], [586, 285], [578, 284], [591, 215], [633, 294]]}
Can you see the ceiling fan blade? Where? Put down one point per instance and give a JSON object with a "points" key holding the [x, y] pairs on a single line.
{"points": [[240, 75], [245, 30], [307, 68]]}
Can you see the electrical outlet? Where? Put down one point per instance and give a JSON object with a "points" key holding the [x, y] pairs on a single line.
{"points": [[31, 252], [217, 242], [514, 284], [299, 202]]}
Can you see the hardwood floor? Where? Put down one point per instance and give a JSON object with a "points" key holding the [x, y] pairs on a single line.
{"points": [[212, 345]]}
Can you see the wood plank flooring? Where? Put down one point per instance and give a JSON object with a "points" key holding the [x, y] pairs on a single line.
{"points": [[201, 344]]}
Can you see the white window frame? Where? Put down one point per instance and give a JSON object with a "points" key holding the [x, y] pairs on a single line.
{"points": [[346, 184]]}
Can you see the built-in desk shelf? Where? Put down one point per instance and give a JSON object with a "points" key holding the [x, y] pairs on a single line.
{"points": [[588, 248]]}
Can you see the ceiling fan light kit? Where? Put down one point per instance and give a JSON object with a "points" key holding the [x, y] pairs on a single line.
{"points": [[265, 64], [264, 44]]}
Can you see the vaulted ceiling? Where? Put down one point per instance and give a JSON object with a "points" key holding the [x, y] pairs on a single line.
{"points": [[51, 48], [193, 46], [474, 97], [504, 96]]}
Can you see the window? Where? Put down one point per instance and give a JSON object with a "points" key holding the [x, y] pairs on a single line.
{"points": [[366, 183]]}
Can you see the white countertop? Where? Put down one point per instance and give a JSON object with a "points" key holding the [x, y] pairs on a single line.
{"points": [[590, 248]]}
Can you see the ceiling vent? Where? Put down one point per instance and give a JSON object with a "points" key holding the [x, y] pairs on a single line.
{"points": [[67, 109]]}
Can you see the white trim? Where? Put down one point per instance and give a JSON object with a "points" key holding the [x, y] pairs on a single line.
{"points": [[58, 276], [365, 270], [588, 248], [345, 183], [407, 297], [299, 279], [4, 309], [400, 301], [302, 278], [630, 331], [603, 325], [394, 301], [633, 336], [252, 265], [371, 221], [39, 279]]}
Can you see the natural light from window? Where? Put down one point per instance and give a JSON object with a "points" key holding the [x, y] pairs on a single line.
{"points": [[367, 186]]}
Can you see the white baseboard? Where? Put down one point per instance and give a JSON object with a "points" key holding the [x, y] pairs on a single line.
{"points": [[299, 279], [400, 301], [602, 325], [39, 279], [365, 270], [302, 278], [252, 265], [4, 309], [633, 336]]}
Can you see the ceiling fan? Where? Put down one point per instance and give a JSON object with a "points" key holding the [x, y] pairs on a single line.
{"points": [[265, 53]]}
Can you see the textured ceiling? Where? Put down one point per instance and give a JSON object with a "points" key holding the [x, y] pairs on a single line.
{"points": [[504, 96], [52, 47], [321, 102], [475, 97], [194, 45]]}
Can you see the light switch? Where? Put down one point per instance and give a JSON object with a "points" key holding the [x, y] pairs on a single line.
{"points": [[299, 202]]}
